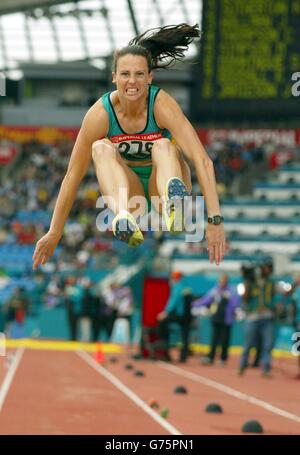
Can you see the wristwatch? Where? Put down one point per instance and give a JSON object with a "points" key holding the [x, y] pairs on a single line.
{"points": [[216, 219]]}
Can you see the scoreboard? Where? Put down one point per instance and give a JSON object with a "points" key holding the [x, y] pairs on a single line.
{"points": [[249, 52]]}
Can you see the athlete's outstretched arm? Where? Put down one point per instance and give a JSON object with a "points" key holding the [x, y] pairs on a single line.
{"points": [[169, 115], [94, 126]]}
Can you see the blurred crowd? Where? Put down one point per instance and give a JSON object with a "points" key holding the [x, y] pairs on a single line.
{"points": [[238, 166], [27, 198], [38, 170], [91, 311]]}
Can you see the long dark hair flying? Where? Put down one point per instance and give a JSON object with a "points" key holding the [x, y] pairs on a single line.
{"points": [[158, 44]]}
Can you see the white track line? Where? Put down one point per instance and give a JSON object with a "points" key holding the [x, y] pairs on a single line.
{"points": [[10, 376], [131, 395], [223, 388]]}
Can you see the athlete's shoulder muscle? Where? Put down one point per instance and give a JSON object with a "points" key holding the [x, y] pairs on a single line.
{"points": [[166, 109], [95, 124], [93, 128]]}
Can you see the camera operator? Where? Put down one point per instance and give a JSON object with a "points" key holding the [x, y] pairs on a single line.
{"points": [[259, 306], [258, 302]]}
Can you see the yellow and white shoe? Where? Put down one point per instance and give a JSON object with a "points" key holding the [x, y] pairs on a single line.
{"points": [[126, 229], [173, 210]]}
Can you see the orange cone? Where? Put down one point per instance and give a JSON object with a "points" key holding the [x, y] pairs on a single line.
{"points": [[99, 354]]}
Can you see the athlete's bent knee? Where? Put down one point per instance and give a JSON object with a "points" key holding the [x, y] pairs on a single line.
{"points": [[162, 143], [103, 147], [163, 148]]}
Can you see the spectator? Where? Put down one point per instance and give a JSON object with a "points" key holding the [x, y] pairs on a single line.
{"points": [[296, 290], [54, 291], [73, 300], [38, 291], [98, 310], [223, 301], [93, 314], [176, 311], [119, 302], [126, 306], [15, 310]]}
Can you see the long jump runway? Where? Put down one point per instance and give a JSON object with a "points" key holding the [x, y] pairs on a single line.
{"points": [[67, 392]]}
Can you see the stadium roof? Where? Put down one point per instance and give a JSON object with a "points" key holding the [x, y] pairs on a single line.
{"points": [[12, 6], [51, 31]]}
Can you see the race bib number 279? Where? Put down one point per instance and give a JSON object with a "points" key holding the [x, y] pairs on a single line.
{"points": [[139, 148]]}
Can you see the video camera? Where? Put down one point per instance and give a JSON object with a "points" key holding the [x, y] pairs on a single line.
{"points": [[252, 271]]}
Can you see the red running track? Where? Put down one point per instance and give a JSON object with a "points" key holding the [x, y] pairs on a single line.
{"points": [[68, 393]]}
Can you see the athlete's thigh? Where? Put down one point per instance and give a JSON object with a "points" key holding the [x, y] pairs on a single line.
{"points": [[135, 185], [186, 175]]}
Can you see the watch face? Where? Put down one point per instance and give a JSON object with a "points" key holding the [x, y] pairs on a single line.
{"points": [[217, 219]]}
